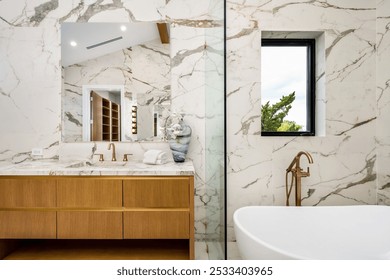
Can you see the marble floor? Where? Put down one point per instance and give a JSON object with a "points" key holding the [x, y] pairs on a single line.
{"points": [[213, 251]]}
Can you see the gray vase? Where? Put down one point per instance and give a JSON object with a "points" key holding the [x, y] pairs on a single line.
{"points": [[179, 146]]}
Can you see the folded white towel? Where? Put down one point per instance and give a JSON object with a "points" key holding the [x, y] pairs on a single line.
{"points": [[155, 157]]}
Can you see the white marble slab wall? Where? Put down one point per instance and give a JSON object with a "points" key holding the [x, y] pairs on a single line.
{"points": [[30, 86], [30, 72], [344, 169], [383, 100]]}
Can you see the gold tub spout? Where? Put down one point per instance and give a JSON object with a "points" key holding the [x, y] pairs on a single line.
{"points": [[297, 174]]}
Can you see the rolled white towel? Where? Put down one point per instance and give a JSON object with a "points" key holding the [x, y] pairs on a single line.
{"points": [[155, 157]]}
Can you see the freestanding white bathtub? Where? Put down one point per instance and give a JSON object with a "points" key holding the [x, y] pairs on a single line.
{"points": [[318, 233]]}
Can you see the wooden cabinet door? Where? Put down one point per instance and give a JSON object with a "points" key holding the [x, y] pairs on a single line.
{"points": [[91, 208], [27, 192], [160, 224], [89, 193], [156, 192], [89, 225], [28, 224]]}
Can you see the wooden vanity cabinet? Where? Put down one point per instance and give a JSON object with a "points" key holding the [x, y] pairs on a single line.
{"points": [[98, 207]]}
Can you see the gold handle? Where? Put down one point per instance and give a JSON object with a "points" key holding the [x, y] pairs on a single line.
{"points": [[101, 157], [125, 157]]}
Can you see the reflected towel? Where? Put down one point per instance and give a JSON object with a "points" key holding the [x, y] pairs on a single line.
{"points": [[155, 157]]}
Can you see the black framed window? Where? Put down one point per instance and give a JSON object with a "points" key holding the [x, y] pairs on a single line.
{"points": [[288, 87]]}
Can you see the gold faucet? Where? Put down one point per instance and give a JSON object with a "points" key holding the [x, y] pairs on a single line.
{"points": [[297, 174], [113, 158]]}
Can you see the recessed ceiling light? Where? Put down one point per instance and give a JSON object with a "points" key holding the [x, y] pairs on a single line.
{"points": [[123, 28], [73, 43]]}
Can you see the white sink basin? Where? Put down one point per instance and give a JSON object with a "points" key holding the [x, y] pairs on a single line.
{"points": [[109, 163], [100, 164]]}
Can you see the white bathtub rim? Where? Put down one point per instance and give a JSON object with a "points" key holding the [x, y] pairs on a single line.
{"points": [[278, 250], [264, 244]]}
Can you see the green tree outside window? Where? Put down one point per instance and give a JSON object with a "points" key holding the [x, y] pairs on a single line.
{"points": [[272, 115]]}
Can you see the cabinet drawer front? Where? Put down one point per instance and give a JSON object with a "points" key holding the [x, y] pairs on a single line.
{"points": [[89, 225], [89, 193], [28, 224], [27, 192], [156, 224], [156, 192]]}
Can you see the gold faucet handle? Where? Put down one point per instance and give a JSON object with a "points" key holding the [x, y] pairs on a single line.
{"points": [[305, 174], [125, 157], [101, 157]]}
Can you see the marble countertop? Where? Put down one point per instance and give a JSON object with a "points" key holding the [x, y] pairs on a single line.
{"points": [[85, 168]]}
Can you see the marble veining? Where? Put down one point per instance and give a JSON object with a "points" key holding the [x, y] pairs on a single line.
{"points": [[42, 11]]}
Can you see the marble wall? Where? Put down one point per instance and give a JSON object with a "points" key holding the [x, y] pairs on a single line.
{"points": [[30, 73], [351, 157], [383, 100]]}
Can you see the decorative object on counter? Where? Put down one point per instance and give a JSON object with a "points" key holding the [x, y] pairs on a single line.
{"points": [[155, 157], [178, 134]]}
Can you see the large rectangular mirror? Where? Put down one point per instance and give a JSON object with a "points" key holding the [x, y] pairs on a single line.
{"points": [[116, 81]]}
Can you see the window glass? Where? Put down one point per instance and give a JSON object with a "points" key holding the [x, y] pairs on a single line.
{"points": [[286, 90]]}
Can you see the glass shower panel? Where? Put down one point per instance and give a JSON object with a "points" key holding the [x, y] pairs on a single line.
{"points": [[215, 133]]}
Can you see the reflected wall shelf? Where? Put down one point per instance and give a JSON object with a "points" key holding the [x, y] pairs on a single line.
{"points": [[105, 119]]}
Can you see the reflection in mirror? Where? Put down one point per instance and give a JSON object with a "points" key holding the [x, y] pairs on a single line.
{"points": [[129, 72], [102, 114]]}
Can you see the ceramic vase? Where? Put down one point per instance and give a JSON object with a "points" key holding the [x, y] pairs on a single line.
{"points": [[180, 144]]}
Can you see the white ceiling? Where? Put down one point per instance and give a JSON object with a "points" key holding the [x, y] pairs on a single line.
{"points": [[87, 34]]}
